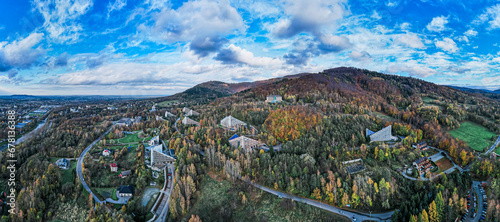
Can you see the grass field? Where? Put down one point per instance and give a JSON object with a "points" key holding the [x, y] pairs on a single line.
{"points": [[69, 174], [107, 192], [428, 101], [475, 135], [220, 200], [130, 138], [167, 103]]}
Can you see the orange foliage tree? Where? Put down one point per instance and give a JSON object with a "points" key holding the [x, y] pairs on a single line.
{"points": [[290, 123]]}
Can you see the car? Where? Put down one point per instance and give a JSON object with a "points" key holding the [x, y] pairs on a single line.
{"points": [[341, 212], [279, 195], [353, 218], [482, 217], [169, 174], [473, 215]]}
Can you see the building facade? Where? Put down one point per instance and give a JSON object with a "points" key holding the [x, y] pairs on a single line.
{"points": [[384, 134], [232, 123], [274, 99], [245, 143]]}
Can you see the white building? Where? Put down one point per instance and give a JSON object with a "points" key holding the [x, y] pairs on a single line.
{"points": [[190, 112], [155, 141], [106, 153], [168, 114], [274, 99], [232, 123], [188, 121], [245, 143], [384, 134]]}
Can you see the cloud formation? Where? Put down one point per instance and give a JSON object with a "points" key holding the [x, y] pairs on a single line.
{"points": [[203, 22], [412, 70], [446, 44], [21, 53], [492, 16], [236, 55], [438, 24], [61, 18]]}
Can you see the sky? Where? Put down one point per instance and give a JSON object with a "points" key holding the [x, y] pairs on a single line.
{"points": [[158, 47]]}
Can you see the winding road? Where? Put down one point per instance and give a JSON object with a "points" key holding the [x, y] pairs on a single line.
{"points": [[494, 145], [80, 163], [335, 210]]}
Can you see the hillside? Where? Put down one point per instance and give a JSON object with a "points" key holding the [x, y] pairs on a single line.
{"points": [[321, 123]]}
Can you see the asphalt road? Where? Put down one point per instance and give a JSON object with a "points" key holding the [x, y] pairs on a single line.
{"points": [[494, 145], [175, 125], [162, 211], [335, 210], [80, 162]]}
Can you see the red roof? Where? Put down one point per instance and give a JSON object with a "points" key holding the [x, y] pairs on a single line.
{"points": [[112, 164]]}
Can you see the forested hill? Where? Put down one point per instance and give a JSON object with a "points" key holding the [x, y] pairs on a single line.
{"points": [[366, 85], [358, 92], [214, 89]]}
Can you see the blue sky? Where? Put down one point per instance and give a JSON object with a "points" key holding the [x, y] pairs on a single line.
{"points": [[156, 47]]}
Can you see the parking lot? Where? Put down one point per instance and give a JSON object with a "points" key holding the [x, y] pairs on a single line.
{"points": [[476, 204]]}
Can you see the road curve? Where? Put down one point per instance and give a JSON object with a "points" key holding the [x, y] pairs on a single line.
{"points": [[335, 210], [493, 146], [80, 162]]}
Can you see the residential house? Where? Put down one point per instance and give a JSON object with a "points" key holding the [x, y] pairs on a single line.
{"points": [[274, 99], [114, 167], [421, 146], [125, 191], [63, 163], [106, 153], [125, 173]]}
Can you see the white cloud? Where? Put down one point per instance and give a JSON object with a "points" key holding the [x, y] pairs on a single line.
{"points": [[235, 54], [447, 45], [492, 15], [310, 16], [412, 70], [116, 6], [375, 15], [470, 33], [20, 53], [405, 26], [334, 43], [463, 39], [179, 75], [197, 19], [411, 40], [363, 56], [60, 18], [438, 24]]}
